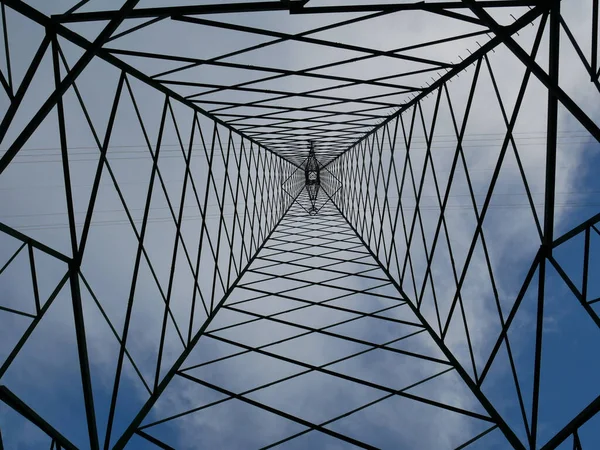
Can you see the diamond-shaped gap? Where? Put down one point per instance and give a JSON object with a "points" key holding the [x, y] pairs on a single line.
{"points": [[460, 218], [399, 249], [173, 347], [481, 160], [443, 146], [500, 389], [247, 240], [266, 266], [568, 333], [110, 254], [415, 261], [512, 243], [208, 275], [256, 332], [429, 208], [146, 324], [180, 396], [290, 247], [384, 241], [456, 338], [350, 282], [395, 310], [256, 369], [337, 226], [204, 73], [226, 319], [314, 439], [182, 291], [530, 138], [225, 425], [499, 386], [227, 231], [375, 330], [361, 302], [409, 285], [283, 232], [441, 273], [375, 425], [160, 235], [263, 284], [394, 268], [195, 192], [360, 267], [130, 161], [229, 100], [208, 350], [376, 159], [449, 389], [237, 261], [429, 308], [481, 309], [507, 69], [316, 293], [318, 275], [353, 252], [257, 274], [50, 357], [316, 396], [241, 295], [419, 341], [174, 147], [191, 226], [268, 305], [314, 240], [316, 316]]}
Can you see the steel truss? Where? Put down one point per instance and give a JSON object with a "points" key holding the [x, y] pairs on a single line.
{"points": [[245, 251]]}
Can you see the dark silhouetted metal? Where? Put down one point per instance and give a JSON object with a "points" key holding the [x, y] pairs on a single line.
{"points": [[176, 260]]}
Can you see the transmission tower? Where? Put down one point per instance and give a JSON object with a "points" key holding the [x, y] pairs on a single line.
{"points": [[299, 224]]}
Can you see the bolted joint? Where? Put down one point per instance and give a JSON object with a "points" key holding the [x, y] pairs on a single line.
{"points": [[312, 177]]}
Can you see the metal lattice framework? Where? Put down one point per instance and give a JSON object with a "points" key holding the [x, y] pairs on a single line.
{"points": [[299, 224]]}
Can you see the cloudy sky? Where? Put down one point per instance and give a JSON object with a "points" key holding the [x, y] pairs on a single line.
{"points": [[336, 333]]}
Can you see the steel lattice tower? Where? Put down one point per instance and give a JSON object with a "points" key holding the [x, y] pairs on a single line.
{"points": [[299, 224]]}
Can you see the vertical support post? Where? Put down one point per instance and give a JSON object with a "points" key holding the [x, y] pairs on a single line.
{"points": [[75, 263], [594, 59], [549, 204]]}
